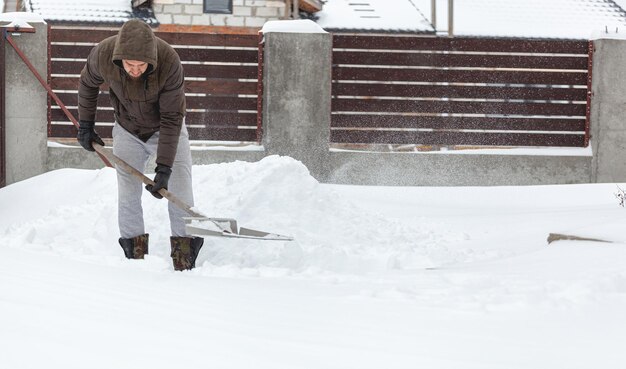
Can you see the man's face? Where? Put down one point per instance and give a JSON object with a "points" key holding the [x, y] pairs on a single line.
{"points": [[134, 68]]}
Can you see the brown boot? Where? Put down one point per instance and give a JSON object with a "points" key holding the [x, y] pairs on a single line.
{"points": [[185, 250], [136, 247]]}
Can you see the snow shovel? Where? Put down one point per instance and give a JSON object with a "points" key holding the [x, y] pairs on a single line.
{"points": [[196, 224]]}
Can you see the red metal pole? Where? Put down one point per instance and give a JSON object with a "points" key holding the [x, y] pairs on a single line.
{"points": [[48, 88], [49, 66], [3, 172]]}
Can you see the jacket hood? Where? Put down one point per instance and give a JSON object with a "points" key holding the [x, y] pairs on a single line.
{"points": [[135, 41]]}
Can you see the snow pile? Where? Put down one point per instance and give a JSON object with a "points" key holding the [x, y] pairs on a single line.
{"points": [[276, 194]]}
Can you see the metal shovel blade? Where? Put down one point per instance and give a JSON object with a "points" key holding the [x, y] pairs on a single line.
{"points": [[227, 227]]}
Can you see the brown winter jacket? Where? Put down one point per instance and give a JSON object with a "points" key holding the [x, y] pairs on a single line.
{"points": [[154, 102]]}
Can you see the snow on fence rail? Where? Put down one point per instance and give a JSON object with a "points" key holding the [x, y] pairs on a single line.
{"points": [[220, 82], [459, 91]]}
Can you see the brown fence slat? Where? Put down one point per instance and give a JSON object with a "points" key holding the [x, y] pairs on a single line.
{"points": [[465, 76], [455, 138], [77, 34], [102, 116], [175, 38], [451, 122], [205, 55], [460, 44], [222, 119], [452, 91], [222, 134], [191, 70], [66, 67], [221, 71], [218, 55], [68, 130], [210, 118], [70, 83], [221, 103], [71, 99], [459, 60], [221, 87], [193, 102], [461, 107], [95, 35], [70, 51]]}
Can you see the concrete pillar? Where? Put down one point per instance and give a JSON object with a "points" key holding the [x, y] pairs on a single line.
{"points": [[297, 97], [608, 111], [26, 105]]}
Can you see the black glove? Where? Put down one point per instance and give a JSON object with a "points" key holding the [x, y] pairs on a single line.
{"points": [[160, 180], [87, 135]]}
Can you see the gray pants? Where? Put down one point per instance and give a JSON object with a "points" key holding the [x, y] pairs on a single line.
{"points": [[137, 154]]}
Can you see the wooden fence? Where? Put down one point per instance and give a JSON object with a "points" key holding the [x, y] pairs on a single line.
{"points": [[386, 89], [459, 91], [220, 82]]}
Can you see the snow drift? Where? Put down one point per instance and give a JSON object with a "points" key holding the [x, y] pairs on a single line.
{"points": [[76, 216]]}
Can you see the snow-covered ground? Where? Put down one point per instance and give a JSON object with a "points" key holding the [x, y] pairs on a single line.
{"points": [[378, 277]]}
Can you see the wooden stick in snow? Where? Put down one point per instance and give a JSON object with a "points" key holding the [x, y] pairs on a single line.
{"points": [[567, 237]]}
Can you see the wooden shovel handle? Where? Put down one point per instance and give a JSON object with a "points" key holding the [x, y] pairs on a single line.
{"points": [[140, 176]]}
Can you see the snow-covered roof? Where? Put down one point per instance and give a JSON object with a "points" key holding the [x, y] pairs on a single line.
{"points": [[89, 11], [574, 19], [373, 15]]}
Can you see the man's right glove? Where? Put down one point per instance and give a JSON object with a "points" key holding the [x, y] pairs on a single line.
{"points": [[87, 135], [160, 180]]}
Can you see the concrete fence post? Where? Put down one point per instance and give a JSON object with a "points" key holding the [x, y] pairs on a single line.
{"points": [[608, 111], [297, 95], [26, 106]]}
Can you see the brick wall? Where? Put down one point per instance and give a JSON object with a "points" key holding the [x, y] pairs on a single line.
{"points": [[246, 13]]}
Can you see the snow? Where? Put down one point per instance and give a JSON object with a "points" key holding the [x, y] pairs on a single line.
{"points": [[534, 18], [292, 26], [378, 277], [399, 15], [609, 33], [576, 19], [21, 16]]}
